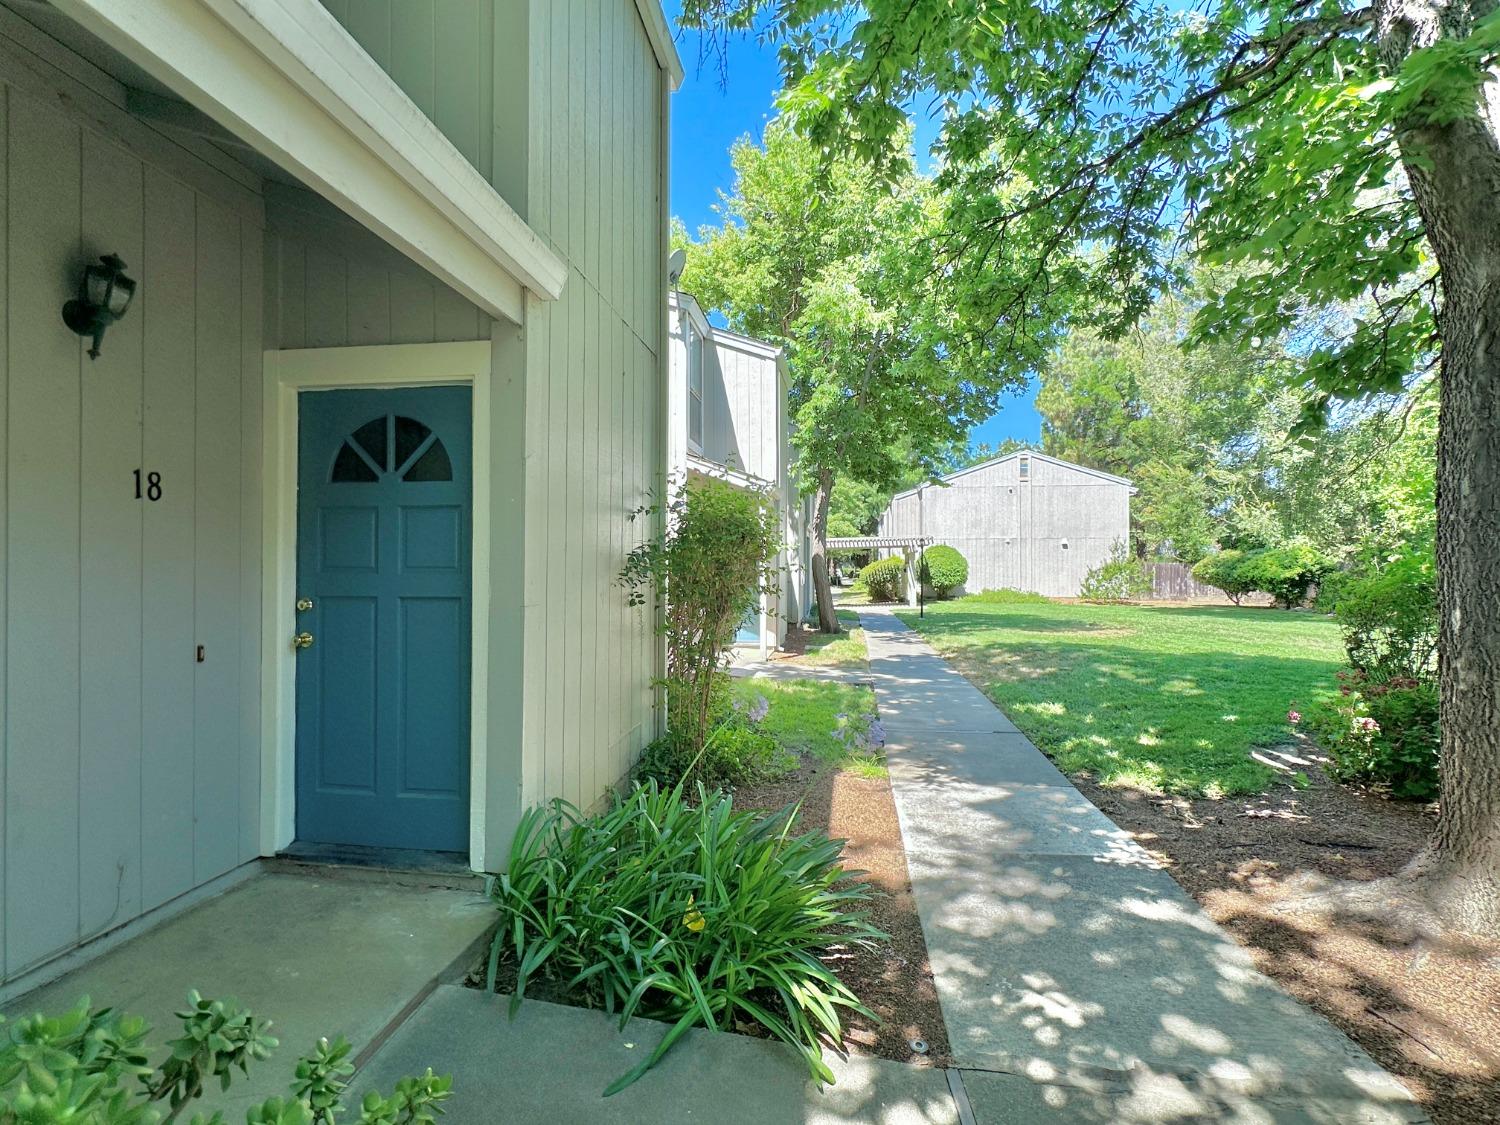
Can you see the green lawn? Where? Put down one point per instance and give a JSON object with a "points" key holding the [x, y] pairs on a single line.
{"points": [[1168, 699], [838, 650], [804, 715]]}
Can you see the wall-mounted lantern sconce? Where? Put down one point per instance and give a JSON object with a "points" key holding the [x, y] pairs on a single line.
{"points": [[103, 296]]}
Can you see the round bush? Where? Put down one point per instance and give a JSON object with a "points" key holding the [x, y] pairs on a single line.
{"points": [[1286, 573], [944, 569], [883, 579], [1224, 571]]}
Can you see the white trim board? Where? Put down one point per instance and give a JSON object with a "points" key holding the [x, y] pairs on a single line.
{"points": [[284, 77], [395, 365]]}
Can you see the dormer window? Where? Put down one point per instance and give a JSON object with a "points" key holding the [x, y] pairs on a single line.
{"points": [[694, 341]]}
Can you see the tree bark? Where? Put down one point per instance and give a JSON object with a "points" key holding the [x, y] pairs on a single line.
{"points": [[828, 620], [1454, 171]]}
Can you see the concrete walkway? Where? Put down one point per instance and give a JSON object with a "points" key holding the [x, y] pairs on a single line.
{"points": [[1078, 982]]}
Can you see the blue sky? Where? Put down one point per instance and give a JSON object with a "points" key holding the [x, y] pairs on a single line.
{"points": [[709, 114]]}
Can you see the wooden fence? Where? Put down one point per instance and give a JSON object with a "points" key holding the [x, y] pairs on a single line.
{"points": [[1174, 582]]}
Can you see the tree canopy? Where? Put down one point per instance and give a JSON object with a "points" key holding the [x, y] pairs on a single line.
{"points": [[835, 265], [1339, 153]]}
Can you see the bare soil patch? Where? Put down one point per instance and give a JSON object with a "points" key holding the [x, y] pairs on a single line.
{"points": [[894, 979], [1426, 1009]]}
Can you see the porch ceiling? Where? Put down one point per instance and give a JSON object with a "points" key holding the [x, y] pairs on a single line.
{"points": [[285, 79]]}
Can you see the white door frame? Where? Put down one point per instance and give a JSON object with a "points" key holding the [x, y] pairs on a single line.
{"points": [[387, 366]]}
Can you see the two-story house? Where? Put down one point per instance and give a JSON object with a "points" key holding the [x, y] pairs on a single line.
{"points": [[317, 485], [728, 418]]}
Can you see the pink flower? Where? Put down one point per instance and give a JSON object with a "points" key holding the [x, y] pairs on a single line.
{"points": [[1367, 724], [1294, 717]]}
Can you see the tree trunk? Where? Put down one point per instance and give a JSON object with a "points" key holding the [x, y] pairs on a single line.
{"points": [[1455, 176], [828, 620]]}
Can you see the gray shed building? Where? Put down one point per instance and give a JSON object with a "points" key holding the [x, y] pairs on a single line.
{"points": [[1024, 521]]}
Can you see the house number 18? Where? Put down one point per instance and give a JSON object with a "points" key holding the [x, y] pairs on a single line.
{"points": [[147, 485]]}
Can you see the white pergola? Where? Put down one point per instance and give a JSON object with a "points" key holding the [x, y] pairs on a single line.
{"points": [[910, 547]]}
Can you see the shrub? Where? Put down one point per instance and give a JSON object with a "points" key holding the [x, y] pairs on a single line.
{"points": [[89, 1066], [884, 579], [944, 569], [1390, 617], [1286, 573], [693, 914], [1223, 571], [710, 566], [1384, 732], [1120, 578], [737, 751]]}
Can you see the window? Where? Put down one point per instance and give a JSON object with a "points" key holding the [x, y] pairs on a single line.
{"points": [[694, 341], [365, 455], [1025, 467]]}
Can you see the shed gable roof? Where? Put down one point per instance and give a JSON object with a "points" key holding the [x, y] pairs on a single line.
{"points": [[993, 461]]}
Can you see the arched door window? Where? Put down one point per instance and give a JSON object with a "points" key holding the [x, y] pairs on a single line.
{"points": [[392, 445]]}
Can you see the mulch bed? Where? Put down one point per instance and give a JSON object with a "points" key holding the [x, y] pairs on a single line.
{"points": [[1427, 1009], [894, 979]]}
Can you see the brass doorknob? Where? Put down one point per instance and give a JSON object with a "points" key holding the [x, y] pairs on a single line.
{"points": [[304, 604], [302, 640]]}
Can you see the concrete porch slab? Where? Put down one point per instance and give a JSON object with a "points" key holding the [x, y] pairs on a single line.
{"points": [[552, 1063], [316, 955]]}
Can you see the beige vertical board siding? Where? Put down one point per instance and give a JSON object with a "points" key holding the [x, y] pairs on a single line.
{"points": [[413, 305], [369, 289], [216, 687], [4, 486], [41, 793], [592, 399], [286, 317], [252, 384], [169, 311], [413, 64], [328, 295], [109, 649], [123, 765], [442, 53]]}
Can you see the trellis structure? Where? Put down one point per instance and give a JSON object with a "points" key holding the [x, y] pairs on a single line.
{"points": [[910, 547]]}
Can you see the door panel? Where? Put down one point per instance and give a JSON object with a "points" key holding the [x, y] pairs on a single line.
{"points": [[384, 530]]}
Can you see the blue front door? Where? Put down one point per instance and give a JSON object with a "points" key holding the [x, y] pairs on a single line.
{"points": [[383, 529]]}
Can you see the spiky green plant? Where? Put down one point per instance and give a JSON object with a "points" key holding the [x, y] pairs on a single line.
{"points": [[688, 912]]}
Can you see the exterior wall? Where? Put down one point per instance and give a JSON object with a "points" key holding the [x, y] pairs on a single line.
{"points": [[561, 104], [746, 430], [594, 408], [472, 94], [1042, 534], [332, 284], [130, 770], [756, 407]]}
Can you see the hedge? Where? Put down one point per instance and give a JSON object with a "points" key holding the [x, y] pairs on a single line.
{"points": [[944, 569]]}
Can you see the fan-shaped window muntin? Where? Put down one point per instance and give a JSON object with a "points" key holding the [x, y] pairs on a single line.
{"points": [[392, 444]]}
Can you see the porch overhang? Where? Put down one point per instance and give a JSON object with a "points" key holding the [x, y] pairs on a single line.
{"points": [[285, 78], [704, 467]]}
